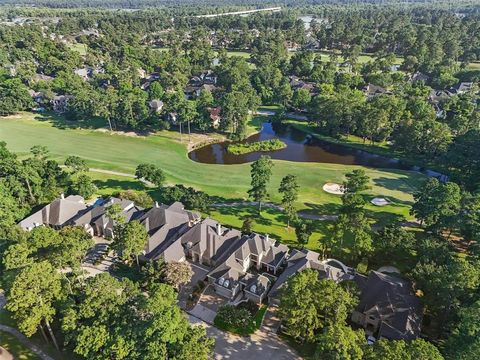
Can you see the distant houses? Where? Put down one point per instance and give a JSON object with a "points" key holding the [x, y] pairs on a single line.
{"points": [[241, 267], [156, 105], [206, 81], [372, 91]]}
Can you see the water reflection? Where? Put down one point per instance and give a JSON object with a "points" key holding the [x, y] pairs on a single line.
{"points": [[302, 147]]}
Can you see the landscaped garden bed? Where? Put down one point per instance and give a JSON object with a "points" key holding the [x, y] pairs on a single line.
{"points": [[243, 319], [266, 145]]}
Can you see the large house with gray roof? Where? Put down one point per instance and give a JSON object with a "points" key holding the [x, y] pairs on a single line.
{"points": [[300, 260], [388, 308], [249, 268], [96, 222], [57, 214], [208, 241], [165, 225], [252, 267]]}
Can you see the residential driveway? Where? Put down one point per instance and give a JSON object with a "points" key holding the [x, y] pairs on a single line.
{"points": [[199, 273], [203, 313], [211, 300], [208, 304], [271, 321], [259, 346], [100, 251]]}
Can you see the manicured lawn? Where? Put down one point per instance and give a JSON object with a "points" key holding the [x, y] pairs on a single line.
{"points": [[123, 153], [243, 54], [271, 222], [16, 348]]}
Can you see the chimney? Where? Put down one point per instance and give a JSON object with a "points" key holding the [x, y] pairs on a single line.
{"points": [[267, 237], [156, 204], [211, 245], [62, 196], [219, 229]]}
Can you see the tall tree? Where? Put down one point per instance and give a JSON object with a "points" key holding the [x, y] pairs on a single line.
{"points": [[308, 304], [340, 342], [464, 342], [150, 173], [303, 230], [32, 297], [436, 204], [261, 171], [289, 188], [83, 186], [76, 164], [177, 274], [132, 240], [357, 181]]}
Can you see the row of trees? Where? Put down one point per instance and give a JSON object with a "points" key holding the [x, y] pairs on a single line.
{"points": [[37, 180]]}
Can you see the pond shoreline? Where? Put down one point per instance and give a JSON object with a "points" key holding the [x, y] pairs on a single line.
{"points": [[304, 145]]}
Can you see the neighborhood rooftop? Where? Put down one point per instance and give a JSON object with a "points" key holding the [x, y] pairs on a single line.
{"points": [[241, 266]]}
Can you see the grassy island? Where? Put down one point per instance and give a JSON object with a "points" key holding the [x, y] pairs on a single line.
{"points": [[266, 145]]}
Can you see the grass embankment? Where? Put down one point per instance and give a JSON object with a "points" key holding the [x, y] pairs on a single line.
{"points": [[264, 146], [123, 153]]}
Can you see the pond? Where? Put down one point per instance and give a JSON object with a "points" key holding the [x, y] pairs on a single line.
{"points": [[301, 147]]}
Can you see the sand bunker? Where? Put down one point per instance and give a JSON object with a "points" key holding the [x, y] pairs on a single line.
{"points": [[333, 188], [380, 201]]}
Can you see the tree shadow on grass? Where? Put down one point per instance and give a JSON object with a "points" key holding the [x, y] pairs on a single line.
{"points": [[321, 209], [61, 121], [119, 185], [383, 218], [403, 184]]}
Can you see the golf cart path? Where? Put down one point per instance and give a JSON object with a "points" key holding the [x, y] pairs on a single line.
{"points": [[22, 338]]}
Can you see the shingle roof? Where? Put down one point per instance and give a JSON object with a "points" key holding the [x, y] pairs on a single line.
{"points": [[303, 259], [204, 239], [57, 213], [256, 284], [275, 255], [392, 300], [97, 214], [164, 222]]}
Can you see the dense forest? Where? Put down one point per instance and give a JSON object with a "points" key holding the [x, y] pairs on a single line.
{"points": [[402, 77], [223, 4]]}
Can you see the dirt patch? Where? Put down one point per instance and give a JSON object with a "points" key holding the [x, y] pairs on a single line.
{"points": [[124, 133], [199, 140]]}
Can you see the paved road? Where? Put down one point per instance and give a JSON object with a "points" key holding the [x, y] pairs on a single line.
{"points": [[22, 338], [259, 346]]}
